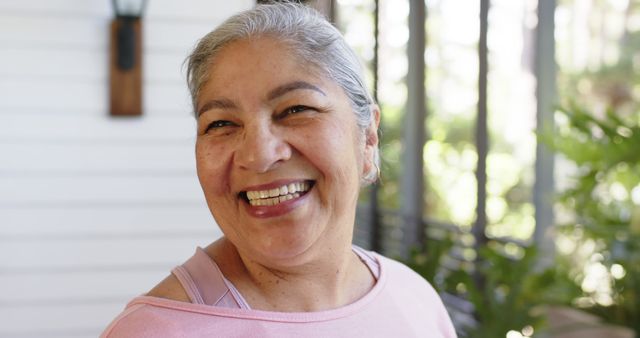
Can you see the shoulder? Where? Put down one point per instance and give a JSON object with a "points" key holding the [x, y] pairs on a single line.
{"points": [[170, 288], [397, 272], [405, 282], [142, 320], [418, 299]]}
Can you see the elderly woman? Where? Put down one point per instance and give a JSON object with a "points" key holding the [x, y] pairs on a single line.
{"points": [[287, 135]]}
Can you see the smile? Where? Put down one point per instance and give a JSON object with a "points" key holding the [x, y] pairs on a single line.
{"points": [[277, 195]]}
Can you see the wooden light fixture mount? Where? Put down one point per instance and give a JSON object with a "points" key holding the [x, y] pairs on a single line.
{"points": [[125, 60]]}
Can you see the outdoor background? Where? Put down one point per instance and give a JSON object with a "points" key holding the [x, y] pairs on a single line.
{"points": [[95, 209]]}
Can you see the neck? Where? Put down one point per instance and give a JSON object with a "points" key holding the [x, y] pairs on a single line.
{"points": [[338, 279]]}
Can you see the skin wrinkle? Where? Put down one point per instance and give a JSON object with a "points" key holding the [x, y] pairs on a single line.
{"points": [[289, 45], [228, 104]]}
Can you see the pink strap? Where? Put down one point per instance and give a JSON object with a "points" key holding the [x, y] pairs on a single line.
{"points": [[207, 277], [367, 258], [188, 284]]}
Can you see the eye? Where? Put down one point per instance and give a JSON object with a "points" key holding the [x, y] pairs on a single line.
{"points": [[218, 124], [294, 110]]}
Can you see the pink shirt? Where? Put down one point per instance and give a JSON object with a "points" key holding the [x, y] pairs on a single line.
{"points": [[401, 304]]}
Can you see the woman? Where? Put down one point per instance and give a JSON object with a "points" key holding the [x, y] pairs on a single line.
{"points": [[287, 134]]}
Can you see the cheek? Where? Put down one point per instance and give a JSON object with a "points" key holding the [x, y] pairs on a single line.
{"points": [[210, 164], [337, 152]]}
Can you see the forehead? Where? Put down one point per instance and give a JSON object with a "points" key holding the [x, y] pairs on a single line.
{"points": [[265, 56]]}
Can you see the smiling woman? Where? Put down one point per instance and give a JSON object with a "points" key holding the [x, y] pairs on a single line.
{"points": [[287, 135]]}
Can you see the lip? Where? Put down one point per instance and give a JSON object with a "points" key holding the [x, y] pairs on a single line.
{"points": [[267, 211]]}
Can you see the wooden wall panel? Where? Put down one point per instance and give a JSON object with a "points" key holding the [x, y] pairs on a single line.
{"points": [[179, 129], [46, 94], [97, 157], [93, 210], [107, 220], [52, 320], [21, 191], [77, 286], [184, 10], [24, 31], [44, 255]]}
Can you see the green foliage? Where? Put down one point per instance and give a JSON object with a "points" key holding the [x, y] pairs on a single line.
{"points": [[604, 199], [428, 262], [505, 291], [390, 152]]}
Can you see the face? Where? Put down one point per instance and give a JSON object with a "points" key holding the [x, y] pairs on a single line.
{"points": [[279, 154]]}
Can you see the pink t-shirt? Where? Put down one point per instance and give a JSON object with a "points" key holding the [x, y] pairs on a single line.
{"points": [[401, 304]]}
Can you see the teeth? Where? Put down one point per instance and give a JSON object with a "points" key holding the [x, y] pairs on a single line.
{"points": [[274, 192], [272, 201], [277, 195]]}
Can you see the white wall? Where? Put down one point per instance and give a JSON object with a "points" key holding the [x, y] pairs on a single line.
{"points": [[93, 210]]}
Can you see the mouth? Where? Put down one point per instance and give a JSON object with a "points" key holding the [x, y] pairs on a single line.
{"points": [[277, 195]]}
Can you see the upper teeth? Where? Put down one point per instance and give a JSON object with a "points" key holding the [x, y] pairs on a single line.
{"points": [[287, 189]]}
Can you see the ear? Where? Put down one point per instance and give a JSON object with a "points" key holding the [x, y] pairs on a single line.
{"points": [[372, 130], [371, 141]]}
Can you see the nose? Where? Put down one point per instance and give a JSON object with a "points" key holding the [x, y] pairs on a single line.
{"points": [[261, 148]]}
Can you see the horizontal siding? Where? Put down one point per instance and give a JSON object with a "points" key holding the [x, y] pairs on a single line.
{"points": [[44, 94], [77, 287], [84, 65], [67, 254], [179, 129], [184, 10], [106, 220], [93, 190], [73, 320], [97, 158], [24, 31], [93, 209]]}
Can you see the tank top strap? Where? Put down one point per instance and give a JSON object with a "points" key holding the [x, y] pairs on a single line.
{"points": [[188, 284], [203, 281], [369, 259]]}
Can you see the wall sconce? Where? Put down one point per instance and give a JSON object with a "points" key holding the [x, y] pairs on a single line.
{"points": [[126, 58]]}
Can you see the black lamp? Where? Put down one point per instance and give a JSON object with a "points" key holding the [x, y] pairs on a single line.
{"points": [[126, 58]]}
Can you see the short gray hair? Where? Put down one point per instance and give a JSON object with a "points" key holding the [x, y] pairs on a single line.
{"points": [[317, 42]]}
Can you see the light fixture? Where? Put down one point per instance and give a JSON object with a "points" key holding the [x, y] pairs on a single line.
{"points": [[125, 63]]}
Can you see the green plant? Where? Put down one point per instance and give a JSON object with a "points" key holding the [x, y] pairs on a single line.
{"points": [[505, 290], [427, 261], [504, 286], [604, 202]]}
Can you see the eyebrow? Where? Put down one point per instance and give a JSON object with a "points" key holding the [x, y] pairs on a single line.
{"points": [[291, 86], [216, 104], [272, 95]]}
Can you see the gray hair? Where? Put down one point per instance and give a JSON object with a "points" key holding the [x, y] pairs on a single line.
{"points": [[317, 42]]}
